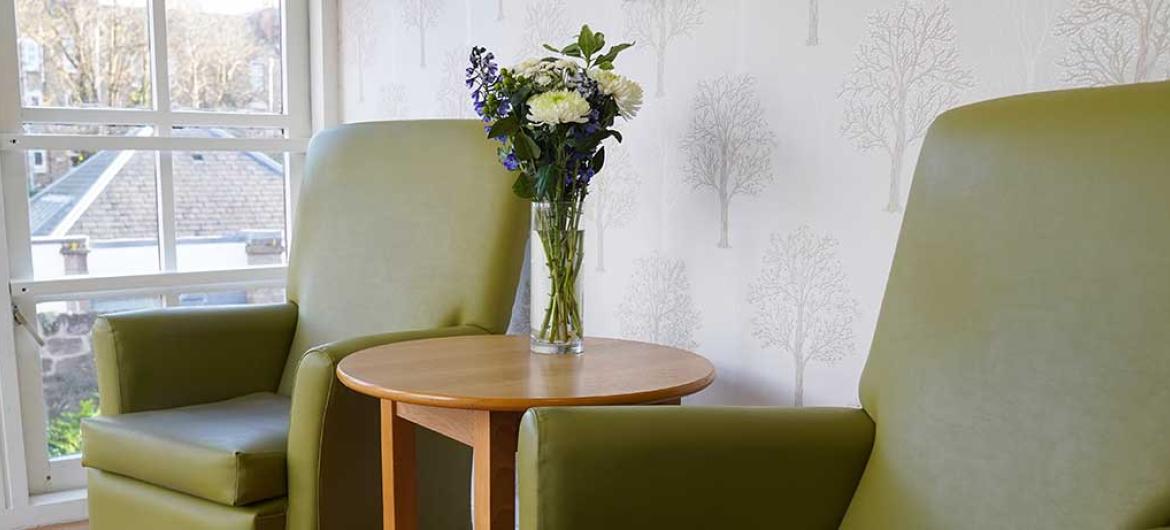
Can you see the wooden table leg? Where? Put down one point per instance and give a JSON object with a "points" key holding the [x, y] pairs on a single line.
{"points": [[495, 436], [399, 493]]}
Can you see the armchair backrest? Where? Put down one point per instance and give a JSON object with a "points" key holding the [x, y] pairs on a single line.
{"points": [[401, 226], [1020, 373]]}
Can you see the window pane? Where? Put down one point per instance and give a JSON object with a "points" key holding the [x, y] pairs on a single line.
{"points": [[88, 129], [93, 213], [67, 364], [229, 209], [84, 53], [203, 131], [224, 55], [256, 295]]}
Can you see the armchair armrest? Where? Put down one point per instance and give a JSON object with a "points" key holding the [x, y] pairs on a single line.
{"points": [[641, 468], [159, 359], [333, 448]]}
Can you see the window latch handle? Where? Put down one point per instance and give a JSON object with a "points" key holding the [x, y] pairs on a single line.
{"points": [[23, 322]]}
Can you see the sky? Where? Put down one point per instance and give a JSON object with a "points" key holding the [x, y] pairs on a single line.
{"points": [[228, 7]]}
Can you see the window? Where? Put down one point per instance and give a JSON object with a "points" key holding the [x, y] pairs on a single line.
{"points": [[38, 162], [149, 158], [33, 98], [30, 56]]}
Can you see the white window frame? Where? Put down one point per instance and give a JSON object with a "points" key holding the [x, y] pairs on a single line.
{"points": [[35, 490]]}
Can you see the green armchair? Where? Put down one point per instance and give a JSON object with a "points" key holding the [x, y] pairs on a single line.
{"points": [[1018, 378], [233, 418]]}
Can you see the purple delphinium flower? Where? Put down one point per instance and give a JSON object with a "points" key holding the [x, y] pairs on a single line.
{"points": [[482, 77], [511, 163]]}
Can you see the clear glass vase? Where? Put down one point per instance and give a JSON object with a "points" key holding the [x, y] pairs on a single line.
{"points": [[557, 254]]}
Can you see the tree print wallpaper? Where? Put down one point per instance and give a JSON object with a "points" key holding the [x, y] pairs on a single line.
{"points": [[752, 212]]}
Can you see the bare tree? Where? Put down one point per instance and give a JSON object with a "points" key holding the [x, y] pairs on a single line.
{"points": [[1033, 21], [611, 199], [908, 72], [658, 307], [214, 56], [1116, 41], [361, 30], [803, 305], [657, 23], [545, 22], [814, 23], [454, 100], [421, 15], [97, 49], [97, 53], [729, 144]]}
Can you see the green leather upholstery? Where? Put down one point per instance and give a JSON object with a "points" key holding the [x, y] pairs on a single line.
{"points": [[152, 360], [333, 444], [670, 467], [1018, 376], [119, 502], [401, 226], [439, 241], [231, 452]]}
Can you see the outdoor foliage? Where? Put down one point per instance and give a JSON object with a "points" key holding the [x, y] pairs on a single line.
{"points": [[65, 429], [97, 53]]}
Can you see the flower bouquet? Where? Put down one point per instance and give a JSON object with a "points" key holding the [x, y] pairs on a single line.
{"points": [[551, 116]]}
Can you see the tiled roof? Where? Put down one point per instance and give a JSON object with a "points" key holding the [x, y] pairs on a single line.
{"points": [[50, 206], [217, 193]]}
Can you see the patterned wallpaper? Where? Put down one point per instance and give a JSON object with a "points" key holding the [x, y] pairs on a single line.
{"points": [[752, 212]]}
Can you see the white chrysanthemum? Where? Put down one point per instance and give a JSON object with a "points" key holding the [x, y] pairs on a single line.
{"points": [[556, 107], [626, 92], [533, 68], [564, 64], [527, 68]]}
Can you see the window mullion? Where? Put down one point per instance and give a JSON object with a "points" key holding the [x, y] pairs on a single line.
{"points": [[168, 239], [158, 52]]}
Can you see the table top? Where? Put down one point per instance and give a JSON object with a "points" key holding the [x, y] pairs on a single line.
{"points": [[498, 372]]}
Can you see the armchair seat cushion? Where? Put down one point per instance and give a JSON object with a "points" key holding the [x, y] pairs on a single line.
{"points": [[231, 452]]}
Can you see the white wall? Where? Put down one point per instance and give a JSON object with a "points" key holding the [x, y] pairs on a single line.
{"points": [[821, 203]]}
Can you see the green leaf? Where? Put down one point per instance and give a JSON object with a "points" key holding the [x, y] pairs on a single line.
{"points": [[605, 65], [523, 187], [585, 40], [551, 49], [572, 50], [613, 52], [616, 135], [598, 161], [526, 147], [504, 127]]}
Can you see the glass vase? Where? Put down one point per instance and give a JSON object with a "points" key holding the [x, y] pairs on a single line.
{"points": [[557, 254]]}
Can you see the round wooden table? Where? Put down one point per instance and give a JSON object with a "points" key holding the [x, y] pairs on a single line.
{"points": [[475, 389]]}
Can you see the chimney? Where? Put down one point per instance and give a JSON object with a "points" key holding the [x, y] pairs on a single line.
{"points": [[75, 250], [264, 247]]}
